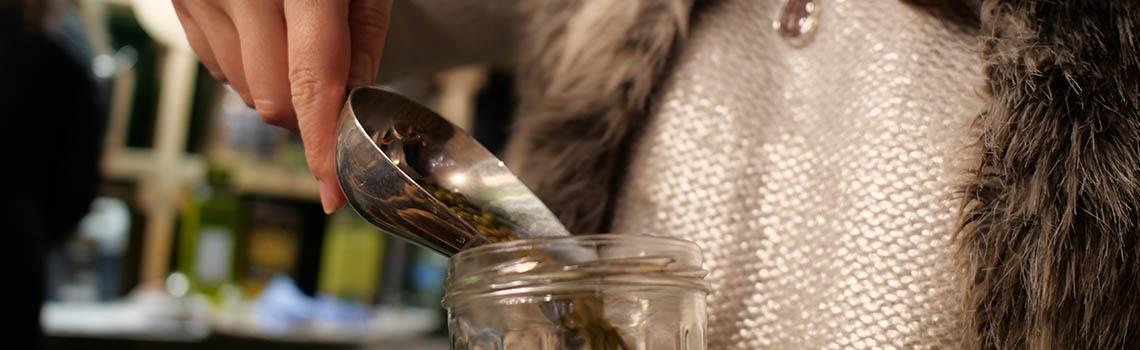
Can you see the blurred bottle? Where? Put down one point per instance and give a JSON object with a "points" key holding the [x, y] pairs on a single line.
{"points": [[89, 266], [350, 268], [273, 240], [108, 225], [426, 272], [242, 132], [210, 235], [73, 271]]}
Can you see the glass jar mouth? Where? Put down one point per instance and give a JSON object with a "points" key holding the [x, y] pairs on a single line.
{"points": [[573, 264], [596, 238]]}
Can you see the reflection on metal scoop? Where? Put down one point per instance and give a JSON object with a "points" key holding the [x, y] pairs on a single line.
{"points": [[392, 153]]}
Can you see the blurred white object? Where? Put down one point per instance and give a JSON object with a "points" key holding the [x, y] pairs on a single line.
{"points": [[161, 23], [147, 314], [283, 313], [108, 225]]}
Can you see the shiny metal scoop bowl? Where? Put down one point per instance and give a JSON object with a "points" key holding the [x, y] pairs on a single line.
{"points": [[389, 148]]}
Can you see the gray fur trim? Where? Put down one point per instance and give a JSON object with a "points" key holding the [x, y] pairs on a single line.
{"points": [[1050, 232], [586, 74]]}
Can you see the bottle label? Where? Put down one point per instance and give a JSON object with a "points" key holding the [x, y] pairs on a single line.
{"points": [[215, 251]]}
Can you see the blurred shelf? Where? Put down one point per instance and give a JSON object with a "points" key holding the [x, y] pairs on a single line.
{"points": [[388, 324], [154, 321], [223, 342], [250, 177], [146, 317], [134, 164], [272, 180]]}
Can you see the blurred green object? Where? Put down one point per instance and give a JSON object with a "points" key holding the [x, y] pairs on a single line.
{"points": [[210, 234], [274, 237], [291, 154], [351, 265]]}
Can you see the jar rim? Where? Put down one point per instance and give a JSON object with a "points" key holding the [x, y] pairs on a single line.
{"points": [[612, 260], [521, 244]]}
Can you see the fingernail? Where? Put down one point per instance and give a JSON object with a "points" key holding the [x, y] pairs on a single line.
{"points": [[361, 70], [330, 201]]}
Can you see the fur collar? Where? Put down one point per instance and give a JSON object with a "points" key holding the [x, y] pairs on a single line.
{"points": [[584, 119], [1050, 231]]}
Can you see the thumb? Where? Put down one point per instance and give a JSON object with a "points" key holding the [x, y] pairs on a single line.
{"points": [[368, 25]]}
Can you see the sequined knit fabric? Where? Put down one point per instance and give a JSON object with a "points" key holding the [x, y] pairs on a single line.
{"points": [[819, 180]]}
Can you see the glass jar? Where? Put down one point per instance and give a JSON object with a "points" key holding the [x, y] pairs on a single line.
{"points": [[582, 292]]}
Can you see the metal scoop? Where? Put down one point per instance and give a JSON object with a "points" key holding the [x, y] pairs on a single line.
{"points": [[390, 147]]}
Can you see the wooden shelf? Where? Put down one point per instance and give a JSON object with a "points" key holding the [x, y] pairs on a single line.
{"points": [[271, 180], [250, 177], [134, 164]]}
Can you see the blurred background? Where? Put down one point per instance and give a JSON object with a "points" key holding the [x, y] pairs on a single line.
{"points": [[197, 226]]}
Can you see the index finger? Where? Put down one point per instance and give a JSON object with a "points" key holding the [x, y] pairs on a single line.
{"points": [[318, 37]]}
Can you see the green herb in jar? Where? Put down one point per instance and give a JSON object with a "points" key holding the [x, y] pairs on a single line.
{"points": [[585, 315]]}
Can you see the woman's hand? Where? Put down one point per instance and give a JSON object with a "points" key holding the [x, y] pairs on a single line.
{"points": [[292, 60]]}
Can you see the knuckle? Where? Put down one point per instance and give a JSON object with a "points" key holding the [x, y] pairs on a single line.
{"points": [[276, 121], [273, 120], [274, 113], [307, 87], [369, 18], [368, 24]]}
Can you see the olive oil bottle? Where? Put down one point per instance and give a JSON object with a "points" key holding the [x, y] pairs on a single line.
{"points": [[350, 266], [210, 234]]}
